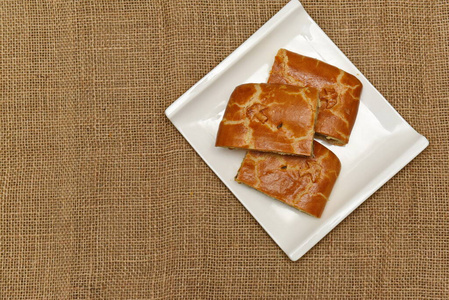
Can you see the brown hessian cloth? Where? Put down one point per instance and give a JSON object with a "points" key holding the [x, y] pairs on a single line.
{"points": [[102, 198]]}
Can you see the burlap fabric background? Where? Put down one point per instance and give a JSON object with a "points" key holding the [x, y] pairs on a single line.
{"points": [[101, 197]]}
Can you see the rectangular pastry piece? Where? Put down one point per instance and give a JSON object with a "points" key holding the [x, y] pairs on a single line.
{"points": [[270, 118], [339, 92], [304, 183]]}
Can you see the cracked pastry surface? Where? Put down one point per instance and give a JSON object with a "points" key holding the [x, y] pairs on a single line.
{"points": [[339, 92], [271, 118], [304, 183]]}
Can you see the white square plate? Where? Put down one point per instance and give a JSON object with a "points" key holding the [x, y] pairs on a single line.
{"points": [[381, 144]]}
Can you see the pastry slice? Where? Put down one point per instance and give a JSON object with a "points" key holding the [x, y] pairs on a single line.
{"points": [[304, 183], [339, 92], [270, 118]]}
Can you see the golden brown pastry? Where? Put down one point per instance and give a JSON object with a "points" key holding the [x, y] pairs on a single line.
{"points": [[339, 92], [271, 118], [302, 182]]}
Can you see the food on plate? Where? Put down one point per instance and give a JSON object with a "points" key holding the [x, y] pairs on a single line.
{"points": [[274, 118], [339, 92], [304, 183]]}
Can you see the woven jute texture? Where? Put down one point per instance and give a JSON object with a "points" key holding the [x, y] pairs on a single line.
{"points": [[102, 198]]}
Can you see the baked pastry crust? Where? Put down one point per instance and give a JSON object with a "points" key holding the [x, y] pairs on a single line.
{"points": [[271, 118], [304, 183], [339, 92]]}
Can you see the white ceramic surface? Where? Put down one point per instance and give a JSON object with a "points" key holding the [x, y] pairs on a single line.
{"points": [[381, 144]]}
